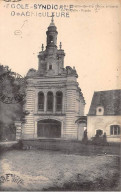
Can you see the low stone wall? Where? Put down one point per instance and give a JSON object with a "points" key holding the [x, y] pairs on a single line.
{"points": [[8, 145], [71, 146]]}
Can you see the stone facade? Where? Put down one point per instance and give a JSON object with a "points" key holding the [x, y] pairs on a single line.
{"points": [[54, 100], [103, 123], [105, 115]]}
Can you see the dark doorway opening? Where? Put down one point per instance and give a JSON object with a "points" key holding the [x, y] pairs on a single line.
{"points": [[49, 128], [99, 132]]}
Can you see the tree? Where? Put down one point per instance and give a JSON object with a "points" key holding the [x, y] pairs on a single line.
{"points": [[10, 112]]}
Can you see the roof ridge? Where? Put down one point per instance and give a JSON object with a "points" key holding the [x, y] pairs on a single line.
{"points": [[108, 90]]}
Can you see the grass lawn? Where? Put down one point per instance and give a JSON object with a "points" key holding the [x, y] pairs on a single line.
{"points": [[55, 171]]}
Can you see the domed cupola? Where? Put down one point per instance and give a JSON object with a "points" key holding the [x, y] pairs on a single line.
{"points": [[52, 34]]}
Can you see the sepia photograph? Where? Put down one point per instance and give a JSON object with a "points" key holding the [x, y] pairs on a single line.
{"points": [[60, 96]]}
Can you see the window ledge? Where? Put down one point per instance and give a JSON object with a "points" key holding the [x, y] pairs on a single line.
{"points": [[115, 136], [49, 114]]}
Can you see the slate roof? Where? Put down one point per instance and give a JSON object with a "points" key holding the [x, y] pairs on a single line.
{"points": [[110, 100]]}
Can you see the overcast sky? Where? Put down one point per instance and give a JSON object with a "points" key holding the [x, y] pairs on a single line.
{"points": [[90, 40]]}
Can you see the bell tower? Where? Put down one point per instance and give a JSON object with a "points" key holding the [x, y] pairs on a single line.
{"points": [[52, 34], [51, 60]]}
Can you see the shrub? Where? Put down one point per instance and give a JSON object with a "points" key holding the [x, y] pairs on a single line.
{"points": [[100, 140]]}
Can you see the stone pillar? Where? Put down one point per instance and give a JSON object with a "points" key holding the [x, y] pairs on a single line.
{"points": [[18, 129], [63, 102], [54, 103], [45, 102]]}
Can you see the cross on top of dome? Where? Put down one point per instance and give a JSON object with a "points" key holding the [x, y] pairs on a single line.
{"points": [[52, 20]]}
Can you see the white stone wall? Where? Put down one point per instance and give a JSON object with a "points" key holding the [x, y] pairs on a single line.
{"points": [[103, 122], [71, 109], [28, 127]]}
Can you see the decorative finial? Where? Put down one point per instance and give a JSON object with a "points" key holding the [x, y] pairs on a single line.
{"points": [[60, 45], [52, 20], [42, 47]]}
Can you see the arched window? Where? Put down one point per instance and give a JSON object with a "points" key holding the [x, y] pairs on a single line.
{"points": [[50, 101], [114, 130], [41, 101], [59, 97]]}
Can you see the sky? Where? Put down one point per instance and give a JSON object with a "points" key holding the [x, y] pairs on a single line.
{"points": [[90, 37]]}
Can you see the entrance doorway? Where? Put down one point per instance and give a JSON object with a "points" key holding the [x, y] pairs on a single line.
{"points": [[49, 128], [99, 132]]}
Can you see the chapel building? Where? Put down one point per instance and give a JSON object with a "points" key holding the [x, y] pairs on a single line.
{"points": [[54, 100]]}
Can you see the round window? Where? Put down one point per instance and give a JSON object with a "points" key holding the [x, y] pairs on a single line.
{"points": [[99, 109]]}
